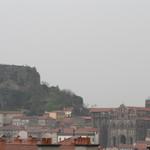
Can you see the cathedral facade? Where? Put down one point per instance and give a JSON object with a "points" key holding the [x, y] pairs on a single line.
{"points": [[122, 125]]}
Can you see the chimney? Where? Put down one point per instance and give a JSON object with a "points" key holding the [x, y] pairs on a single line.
{"points": [[2, 144], [46, 141], [74, 131], [31, 140], [17, 140], [82, 140]]}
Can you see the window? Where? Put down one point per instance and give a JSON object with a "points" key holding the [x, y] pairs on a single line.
{"points": [[114, 141], [114, 125], [122, 139], [121, 125], [131, 140]]}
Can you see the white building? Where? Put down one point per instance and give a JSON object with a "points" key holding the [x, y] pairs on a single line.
{"points": [[66, 133]]}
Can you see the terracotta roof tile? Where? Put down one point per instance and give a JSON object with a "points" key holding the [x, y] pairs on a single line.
{"points": [[101, 109]]}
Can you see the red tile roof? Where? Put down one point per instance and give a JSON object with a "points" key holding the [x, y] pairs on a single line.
{"points": [[141, 146], [139, 108], [101, 109], [86, 130], [33, 117], [86, 117], [111, 109]]}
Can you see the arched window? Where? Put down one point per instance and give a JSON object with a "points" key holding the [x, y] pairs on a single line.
{"points": [[113, 125], [131, 140], [114, 141], [122, 125], [122, 139], [131, 125]]}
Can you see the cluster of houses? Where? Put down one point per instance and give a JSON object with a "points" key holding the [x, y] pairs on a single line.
{"points": [[73, 143], [57, 125], [121, 128]]}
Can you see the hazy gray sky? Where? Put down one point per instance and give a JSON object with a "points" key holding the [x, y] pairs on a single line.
{"points": [[100, 49]]}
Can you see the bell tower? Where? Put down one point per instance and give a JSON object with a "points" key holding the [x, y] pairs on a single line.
{"points": [[147, 103]]}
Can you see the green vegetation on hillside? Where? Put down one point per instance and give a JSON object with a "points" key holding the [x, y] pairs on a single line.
{"points": [[21, 89]]}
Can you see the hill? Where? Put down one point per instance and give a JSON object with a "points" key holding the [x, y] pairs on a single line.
{"points": [[21, 89]]}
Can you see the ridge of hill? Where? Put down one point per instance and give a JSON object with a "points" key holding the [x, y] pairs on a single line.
{"points": [[21, 89]]}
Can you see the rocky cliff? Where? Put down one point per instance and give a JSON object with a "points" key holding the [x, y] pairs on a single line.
{"points": [[21, 89], [18, 77]]}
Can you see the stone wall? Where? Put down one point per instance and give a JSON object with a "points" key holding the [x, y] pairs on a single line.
{"points": [[18, 77]]}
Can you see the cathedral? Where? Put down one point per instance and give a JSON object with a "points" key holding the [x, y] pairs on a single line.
{"points": [[121, 125]]}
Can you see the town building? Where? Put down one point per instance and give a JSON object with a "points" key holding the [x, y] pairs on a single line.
{"points": [[12, 131], [68, 112], [33, 121], [65, 133], [75, 143], [122, 125], [7, 116], [58, 115]]}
